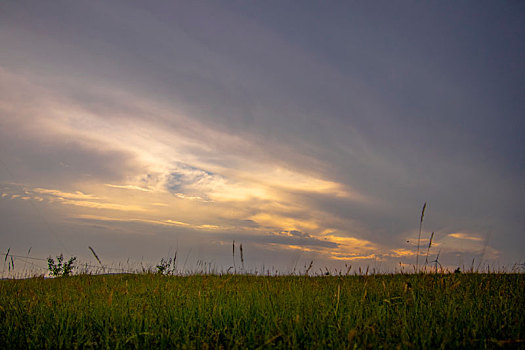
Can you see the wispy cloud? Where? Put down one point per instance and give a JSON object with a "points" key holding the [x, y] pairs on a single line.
{"points": [[467, 236], [130, 187]]}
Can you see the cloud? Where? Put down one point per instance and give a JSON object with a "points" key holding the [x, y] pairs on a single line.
{"points": [[298, 241], [252, 123], [77, 198], [296, 233], [67, 195], [467, 236], [130, 187]]}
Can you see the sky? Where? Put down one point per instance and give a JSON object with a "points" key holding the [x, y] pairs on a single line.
{"points": [[305, 131]]}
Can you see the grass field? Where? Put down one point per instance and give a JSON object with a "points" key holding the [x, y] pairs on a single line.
{"points": [[237, 311]]}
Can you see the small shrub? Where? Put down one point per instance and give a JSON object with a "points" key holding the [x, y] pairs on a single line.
{"points": [[165, 266], [60, 268]]}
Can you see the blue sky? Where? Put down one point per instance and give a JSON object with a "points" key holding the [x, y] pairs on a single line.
{"points": [[305, 131]]}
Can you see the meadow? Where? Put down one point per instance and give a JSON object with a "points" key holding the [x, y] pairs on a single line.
{"points": [[130, 311]]}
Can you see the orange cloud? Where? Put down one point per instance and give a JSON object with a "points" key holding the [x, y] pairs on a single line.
{"points": [[467, 236]]}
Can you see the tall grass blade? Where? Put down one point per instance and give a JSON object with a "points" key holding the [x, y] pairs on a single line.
{"points": [[233, 255], [7, 254], [96, 257], [242, 257], [309, 268], [428, 249], [419, 236]]}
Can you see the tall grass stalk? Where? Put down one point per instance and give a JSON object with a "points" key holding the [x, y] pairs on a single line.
{"points": [[428, 249], [242, 257], [233, 256], [419, 235], [96, 257]]}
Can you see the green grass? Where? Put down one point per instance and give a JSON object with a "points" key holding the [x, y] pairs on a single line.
{"points": [[236, 311]]}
